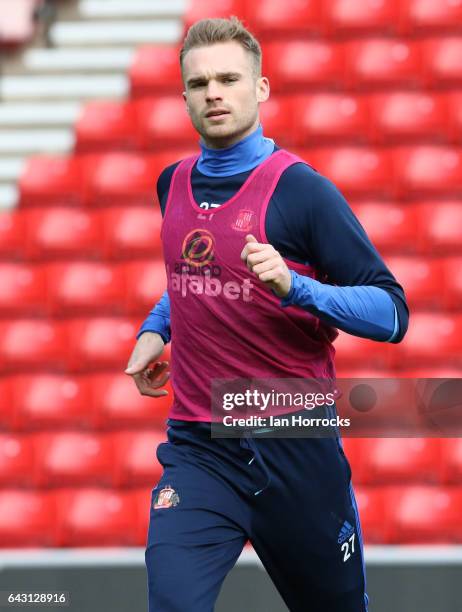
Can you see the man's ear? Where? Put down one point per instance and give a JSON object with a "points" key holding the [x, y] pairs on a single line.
{"points": [[186, 101], [263, 89]]}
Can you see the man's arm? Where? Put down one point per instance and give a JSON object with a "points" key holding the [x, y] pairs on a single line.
{"points": [[310, 222]]}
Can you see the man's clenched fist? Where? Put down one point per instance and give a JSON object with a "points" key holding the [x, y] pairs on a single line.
{"points": [[267, 264]]}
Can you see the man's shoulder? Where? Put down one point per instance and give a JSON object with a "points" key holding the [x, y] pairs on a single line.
{"points": [[302, 175]]}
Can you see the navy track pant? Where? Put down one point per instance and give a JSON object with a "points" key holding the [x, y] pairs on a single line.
{"points": [[291, 497]]}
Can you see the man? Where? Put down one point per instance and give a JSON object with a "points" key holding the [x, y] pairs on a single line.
{"points": [[263, 257]]}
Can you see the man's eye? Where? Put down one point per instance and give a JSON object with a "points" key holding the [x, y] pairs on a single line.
{"points": [[230, 80]]}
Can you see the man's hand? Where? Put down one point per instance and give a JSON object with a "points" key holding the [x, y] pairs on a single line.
{"points": [[267, 264], [149, 347]]}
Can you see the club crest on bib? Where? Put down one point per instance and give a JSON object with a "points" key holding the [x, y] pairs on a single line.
{"points": [[166, 498], [243, 221]]}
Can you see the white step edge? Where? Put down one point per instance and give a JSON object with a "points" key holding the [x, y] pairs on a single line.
{"points": [[117, 58], [8, 196], [35, 141], [77, 85], [134, 8], [11, 168], [134, 556], [20, 113], [114, 32]]}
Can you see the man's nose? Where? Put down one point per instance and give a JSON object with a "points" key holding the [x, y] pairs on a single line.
{"points": [[213, 91]]}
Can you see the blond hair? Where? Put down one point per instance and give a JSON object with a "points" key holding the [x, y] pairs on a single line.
{"points": [[211, 31]]}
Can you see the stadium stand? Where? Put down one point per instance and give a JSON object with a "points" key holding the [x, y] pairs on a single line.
{"points": [[368, 93]]}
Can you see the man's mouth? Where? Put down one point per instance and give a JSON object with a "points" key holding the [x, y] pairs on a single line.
{"points": [[217, 113]]}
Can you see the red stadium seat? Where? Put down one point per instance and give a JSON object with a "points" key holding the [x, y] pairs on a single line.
{"points": [[136, 463], [132, 232], [330, 117], [441, 58], [372, 516], [7, 412], [155, 69], [452, 278], [422, 279], [356, 171], [145, 283], [352, 17], [85, 287], [52, 401], [443, 226], [400, 117], [73, 458], [428, 170], [17, 24], [27, 519], [16, 460], [271, 18], [163, 122], [401, 460], [205, 9], [23, 289], [351, 350], [122, 178], [352, 450], [428, 16], [95, 517], [454, 102], [303, 64], [118, 403], [52, 180], [102, 126], [432, 339], [142, 499], [100, 342], [378, 62], [391, 227], [276, 116], [11, 234], [452, 460], [31, 343], [62, 232], [424, 514]]}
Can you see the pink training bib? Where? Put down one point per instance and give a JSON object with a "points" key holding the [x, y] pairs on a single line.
{"points": [[225, 323]]}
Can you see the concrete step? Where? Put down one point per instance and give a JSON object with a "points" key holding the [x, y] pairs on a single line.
{"points": [[35, 141], [11, 168], [72, 33], [38, 114], [81, 86], [70, 60], [135, 8], [8, 196]]}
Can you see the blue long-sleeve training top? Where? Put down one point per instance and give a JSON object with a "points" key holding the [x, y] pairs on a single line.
{"points": [[307, 221]]}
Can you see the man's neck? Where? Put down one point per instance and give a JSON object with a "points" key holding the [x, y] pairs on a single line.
{"points": [[239, 157]]}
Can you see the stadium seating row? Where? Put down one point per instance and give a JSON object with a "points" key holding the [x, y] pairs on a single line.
{"points": [[120, 233], [336, 17], [86, 287], [75, 458], [303, 64], [104, 401], [127, 459], [62, 232], [96, 516], [95, 343], [81, 287], [397, 117], [407, 172]]}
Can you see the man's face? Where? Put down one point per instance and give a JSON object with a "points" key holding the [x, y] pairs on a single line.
{"points": [[222, 92]]}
